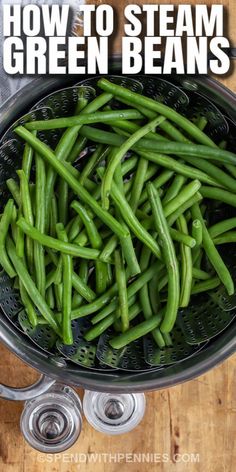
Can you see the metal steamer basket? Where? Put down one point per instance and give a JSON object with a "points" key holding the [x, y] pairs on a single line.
{"points": [[113, 402]]}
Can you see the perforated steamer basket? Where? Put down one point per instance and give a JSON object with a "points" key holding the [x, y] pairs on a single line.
{"points": [[113, 381]]}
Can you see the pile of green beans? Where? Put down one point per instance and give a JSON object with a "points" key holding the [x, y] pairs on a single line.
{"points": [[119, 239]]}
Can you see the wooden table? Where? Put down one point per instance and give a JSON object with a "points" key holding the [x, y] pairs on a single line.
{"points": [[196, 420]]}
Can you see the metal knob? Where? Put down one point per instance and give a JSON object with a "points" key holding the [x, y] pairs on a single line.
{"points": [[113, 413], [52, 422], [114, 409]]}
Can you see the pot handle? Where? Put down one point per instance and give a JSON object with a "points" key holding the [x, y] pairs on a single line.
{"points": [[26, 393]]}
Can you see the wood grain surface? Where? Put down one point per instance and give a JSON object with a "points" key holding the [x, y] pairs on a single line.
{"points": [[196, 420]]}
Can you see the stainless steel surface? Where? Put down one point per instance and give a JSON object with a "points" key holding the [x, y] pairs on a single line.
{"points": [[213, 353], [26, 393], [114, 414], [52, 422]]}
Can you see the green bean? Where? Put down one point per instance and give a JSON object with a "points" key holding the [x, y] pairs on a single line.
{"points": [[32, 196], [223, 144], [157, 107], [109, 248], [132, 222], [58, 290], [30, 287], [98, 155], [188, 204], [133, 288], [83, 119], [58, 272], [126, 243], [107, 310], [201, 122], [219, 195], [81, 239], [64, 247], [183, 238], [154, 293], [150, 114], [200, 274], [63, 201], [219, 175], [96, 243], [40, 212], [76, 300], [135, 332], [27, 160], [112, 307], [174, 189], [228, 237], [130, 127], [138, 184], [212, 253], [82, 288], [29, 307], [170, 259], [118, 177], [83, 275], [49, 297], [206, 285], [231, 169], [75, 228], [151, 171], [158, 182], [67, 148], [52, 257], [186, 265], [167, 339], [15, 190], [102, 277], [134, 311], [25, 197], [4, 226], [20, 242], [78, 146], [28, 214], [67, 264], [93, 235], [53, 216], [222, 227], [178, 167], [108, 176], [174, 133], [185, 194], [197, 256], [96, 305], [84, 270], [50, 279], [160, 149], [166, 126], [122, 290], [197, 231], [163, 282], [148, 223], [129, 252], [128, 165], [99, 328], [145, 300], [49, 156], [16, 284]]}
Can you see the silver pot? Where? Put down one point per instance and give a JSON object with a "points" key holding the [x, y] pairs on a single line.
{"points": [[57, 369]]}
